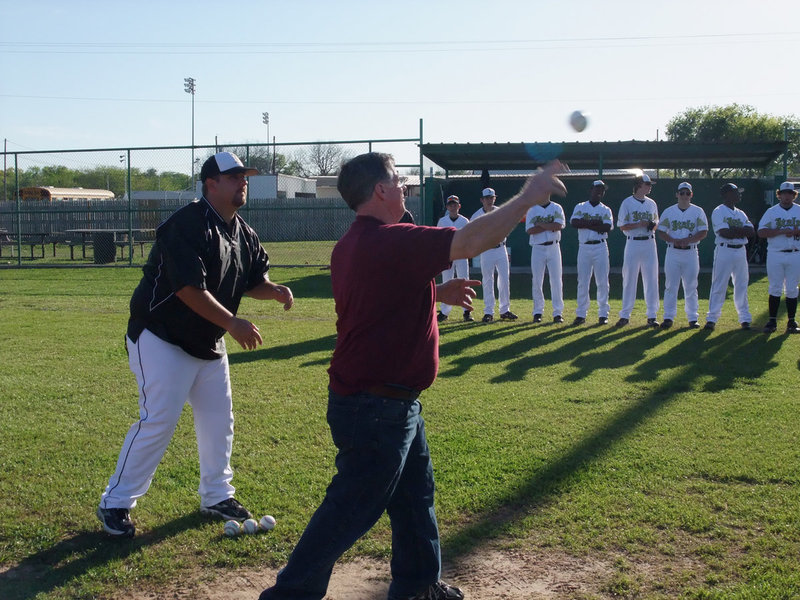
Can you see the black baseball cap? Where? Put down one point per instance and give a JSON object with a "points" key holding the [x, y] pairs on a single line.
{"points": [[224, 163], [730, 187]]}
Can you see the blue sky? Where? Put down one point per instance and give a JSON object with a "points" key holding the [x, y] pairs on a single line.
{"points": [[87, 74]]}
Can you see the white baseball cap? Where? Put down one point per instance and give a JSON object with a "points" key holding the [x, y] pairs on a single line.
{"points": [[685, 186], [224, 162], [488, 192], [787, 185]]}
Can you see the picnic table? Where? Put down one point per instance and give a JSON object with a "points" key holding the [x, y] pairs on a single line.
{"points": [[105, 241]]}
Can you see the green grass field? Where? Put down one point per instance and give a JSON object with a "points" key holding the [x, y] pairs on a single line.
{"points": [[674, 449]]}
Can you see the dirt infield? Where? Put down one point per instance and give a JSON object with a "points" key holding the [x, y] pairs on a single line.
{"points": [[495, 574]]}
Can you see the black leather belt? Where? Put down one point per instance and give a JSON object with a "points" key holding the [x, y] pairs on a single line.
{"points": [[732, 245], [683, 248], [393, 391], [500, 245], [546, 243], [792, 250], [639, 238], [595, 242]]}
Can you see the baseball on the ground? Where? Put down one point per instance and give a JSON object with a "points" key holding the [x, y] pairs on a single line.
{"points": [[578, 120], [250, 526], [232, 528], [267, 522]]}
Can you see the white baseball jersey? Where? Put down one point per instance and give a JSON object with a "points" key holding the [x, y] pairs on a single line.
{"points": [[730, 263], [640, 255], [494, 260], [681, 264], [460, 267], [593, 257], [783, 253], [546, 255]]}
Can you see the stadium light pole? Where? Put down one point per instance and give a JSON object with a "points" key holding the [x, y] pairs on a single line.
{"points": [[265, 121], [189, 88]]}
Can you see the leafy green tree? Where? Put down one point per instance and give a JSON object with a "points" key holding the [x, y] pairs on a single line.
{"points": [[736, 123]]}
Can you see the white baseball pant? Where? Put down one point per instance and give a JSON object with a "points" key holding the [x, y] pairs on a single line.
{"points": [[593, 258], [461, 269], [783, 273], [681, 267], [729, 263], [167, 378], [640, 257], [546, 257], [495, 260]]}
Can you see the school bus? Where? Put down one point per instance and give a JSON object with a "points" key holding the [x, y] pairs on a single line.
{"points": [[50, 193]]}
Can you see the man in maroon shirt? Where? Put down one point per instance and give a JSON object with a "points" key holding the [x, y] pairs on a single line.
{"points": [[387, 352]]}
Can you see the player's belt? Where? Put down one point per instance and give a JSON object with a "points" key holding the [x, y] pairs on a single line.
{"points": [[639, 238], [500, 245], [595, 242], [732, 245], [791, 250], [682, 248], [396, 392], [546, 243]]}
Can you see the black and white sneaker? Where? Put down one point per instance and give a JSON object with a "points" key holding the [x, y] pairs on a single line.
{"points": [[440, 591], [116, 521], [229, 509]]}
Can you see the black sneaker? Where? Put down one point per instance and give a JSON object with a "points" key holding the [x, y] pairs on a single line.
{"points": [[666, 324], [441, 317], [558, 319], [791, 327], [468, 316], [440, 591], [771, 326], [622, 322], [487, 319], [537, 318], [579, 321], [745, 325], [710, 325], [229, 509], [653, 323], [693, 325], [602, 321], [116, 521], [509, 316]]}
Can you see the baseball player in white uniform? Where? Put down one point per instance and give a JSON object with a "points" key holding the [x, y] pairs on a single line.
{"points": [[593, 220], [543, 223], [682, 226], [780, 225], [731, 228], [638, 217], [494, 260], [205, 258], [460, 267]]}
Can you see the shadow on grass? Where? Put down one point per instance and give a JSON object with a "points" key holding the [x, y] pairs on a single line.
{"points": [[70, 559], [719, 358], [288, 351]]}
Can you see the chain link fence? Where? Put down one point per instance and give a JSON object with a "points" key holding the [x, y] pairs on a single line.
{"points": [[101, 207]]}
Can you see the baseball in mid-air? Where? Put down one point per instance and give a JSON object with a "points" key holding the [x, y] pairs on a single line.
{"points": [[232, 528], [267, 522], [250, 526], [578, 120]]}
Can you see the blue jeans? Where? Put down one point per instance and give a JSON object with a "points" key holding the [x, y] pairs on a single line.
{"points": [[383, 464]]}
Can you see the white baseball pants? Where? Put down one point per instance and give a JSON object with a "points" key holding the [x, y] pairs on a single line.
{"points": [[460, 269], [681, 267], [640, 257], [593, 258], [495, 260], [729, 263], [167, 378], [549, 258], [783, 273]]}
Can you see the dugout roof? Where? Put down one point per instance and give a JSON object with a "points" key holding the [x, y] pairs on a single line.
{"points": [[605, 155]]}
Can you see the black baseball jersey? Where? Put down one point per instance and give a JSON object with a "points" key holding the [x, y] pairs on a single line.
{"points": [[195, 247]]}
